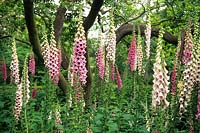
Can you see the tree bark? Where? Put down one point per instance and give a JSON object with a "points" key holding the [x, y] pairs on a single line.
{"points": [[87, 24], [33, 36], [127, 29]]}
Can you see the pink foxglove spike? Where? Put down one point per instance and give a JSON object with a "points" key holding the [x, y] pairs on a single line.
{"points": [[79, 51], [31, 66], [132, 55], [187, 52], [4, 70], [119, 81], [112, 71]]}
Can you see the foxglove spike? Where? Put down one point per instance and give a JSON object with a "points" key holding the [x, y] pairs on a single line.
{"points": [[119, 81], [132, 55], [4, 71], [31, 66], [79, 51], [14, 66]]}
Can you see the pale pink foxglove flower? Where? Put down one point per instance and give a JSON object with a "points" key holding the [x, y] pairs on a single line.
{"points": [[52, 57], [18, 102], [148, 35], [4, 70], [119, 81], [160, 81], [31, 66], [79, 51], [58, 120], [14, 66], [45, 48], [132, 55], [111, 44]]}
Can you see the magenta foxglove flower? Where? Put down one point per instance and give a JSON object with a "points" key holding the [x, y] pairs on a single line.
{"points": [[34, 92], [198, 106], [99, 60], [173, 80], [148, 36], [119, 81], [79, 51], [14, 66], [31, 66], [4, 71], [112, 71], [132, 55], [156, 131], [187, 52]]}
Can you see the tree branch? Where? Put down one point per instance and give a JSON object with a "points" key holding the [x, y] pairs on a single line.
{"points": [[89, 20], [127, 29], [140, 15], [19, 40]]}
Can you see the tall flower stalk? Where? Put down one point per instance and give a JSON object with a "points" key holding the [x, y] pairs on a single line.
{"points": [[191, 74], [79, 51], [110, 49], [118, 77], [22, 93], [139, 55], [31, 64], [52, 57], [14, 66], [160, 82], [148, 35], [132, 55], [99, 59], [174, 72], [4, 70], [187, 52]]}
